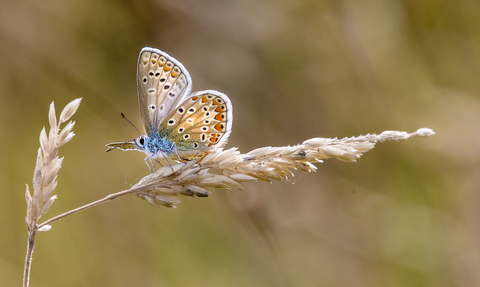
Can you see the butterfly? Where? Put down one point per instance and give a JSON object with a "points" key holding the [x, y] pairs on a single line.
{"points": [[178, 124]]}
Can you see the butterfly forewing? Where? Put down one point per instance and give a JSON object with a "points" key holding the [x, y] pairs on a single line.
{"points": [[162, 82], [201, 123]]}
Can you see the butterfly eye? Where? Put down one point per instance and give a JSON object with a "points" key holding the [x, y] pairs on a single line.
{"points": [[141, 141]]}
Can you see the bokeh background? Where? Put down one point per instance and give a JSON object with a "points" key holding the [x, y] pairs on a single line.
{"points": [[406, 214]]}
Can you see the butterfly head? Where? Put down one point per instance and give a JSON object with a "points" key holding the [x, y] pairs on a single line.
{"points": [[140, 142], [152, 146]]}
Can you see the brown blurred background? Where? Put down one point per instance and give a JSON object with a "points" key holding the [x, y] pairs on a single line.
{"points": [[406, 214]]}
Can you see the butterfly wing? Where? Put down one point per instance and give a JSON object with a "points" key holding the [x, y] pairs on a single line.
{"points": [[162, 82], [201, 123]]}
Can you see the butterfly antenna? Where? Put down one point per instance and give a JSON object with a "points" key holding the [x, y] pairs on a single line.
{"points": [[123, 116], [116, 145]]}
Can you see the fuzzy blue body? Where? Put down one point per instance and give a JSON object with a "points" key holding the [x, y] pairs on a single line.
{"points": [[157, 146]]}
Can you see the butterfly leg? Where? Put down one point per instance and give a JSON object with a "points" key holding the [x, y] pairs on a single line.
{"points": [[151, 162], [159, 162], [178, 156], [166, 159]]}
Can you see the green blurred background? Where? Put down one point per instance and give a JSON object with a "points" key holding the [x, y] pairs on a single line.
{"points": [[406, 214]]}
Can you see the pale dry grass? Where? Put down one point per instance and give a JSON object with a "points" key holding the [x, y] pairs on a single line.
{"points": [[228, 169], [222, 169], [45, 174]]}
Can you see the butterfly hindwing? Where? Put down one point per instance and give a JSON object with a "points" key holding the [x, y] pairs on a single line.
{"points": [[199, 124], [162, 82]]}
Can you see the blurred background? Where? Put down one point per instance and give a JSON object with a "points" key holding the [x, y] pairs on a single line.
{"points": [[406, 214]]}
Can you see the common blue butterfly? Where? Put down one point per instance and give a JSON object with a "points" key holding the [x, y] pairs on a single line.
{"points": [[178, 124]]}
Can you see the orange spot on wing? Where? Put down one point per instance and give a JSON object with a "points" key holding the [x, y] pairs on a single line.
{"points": [[219, 127], [219, 109], [213, 138], [195, 98], [219, 117], [154, 61], [167, 68], [174, 74], [215, 102], [204, 99]]}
